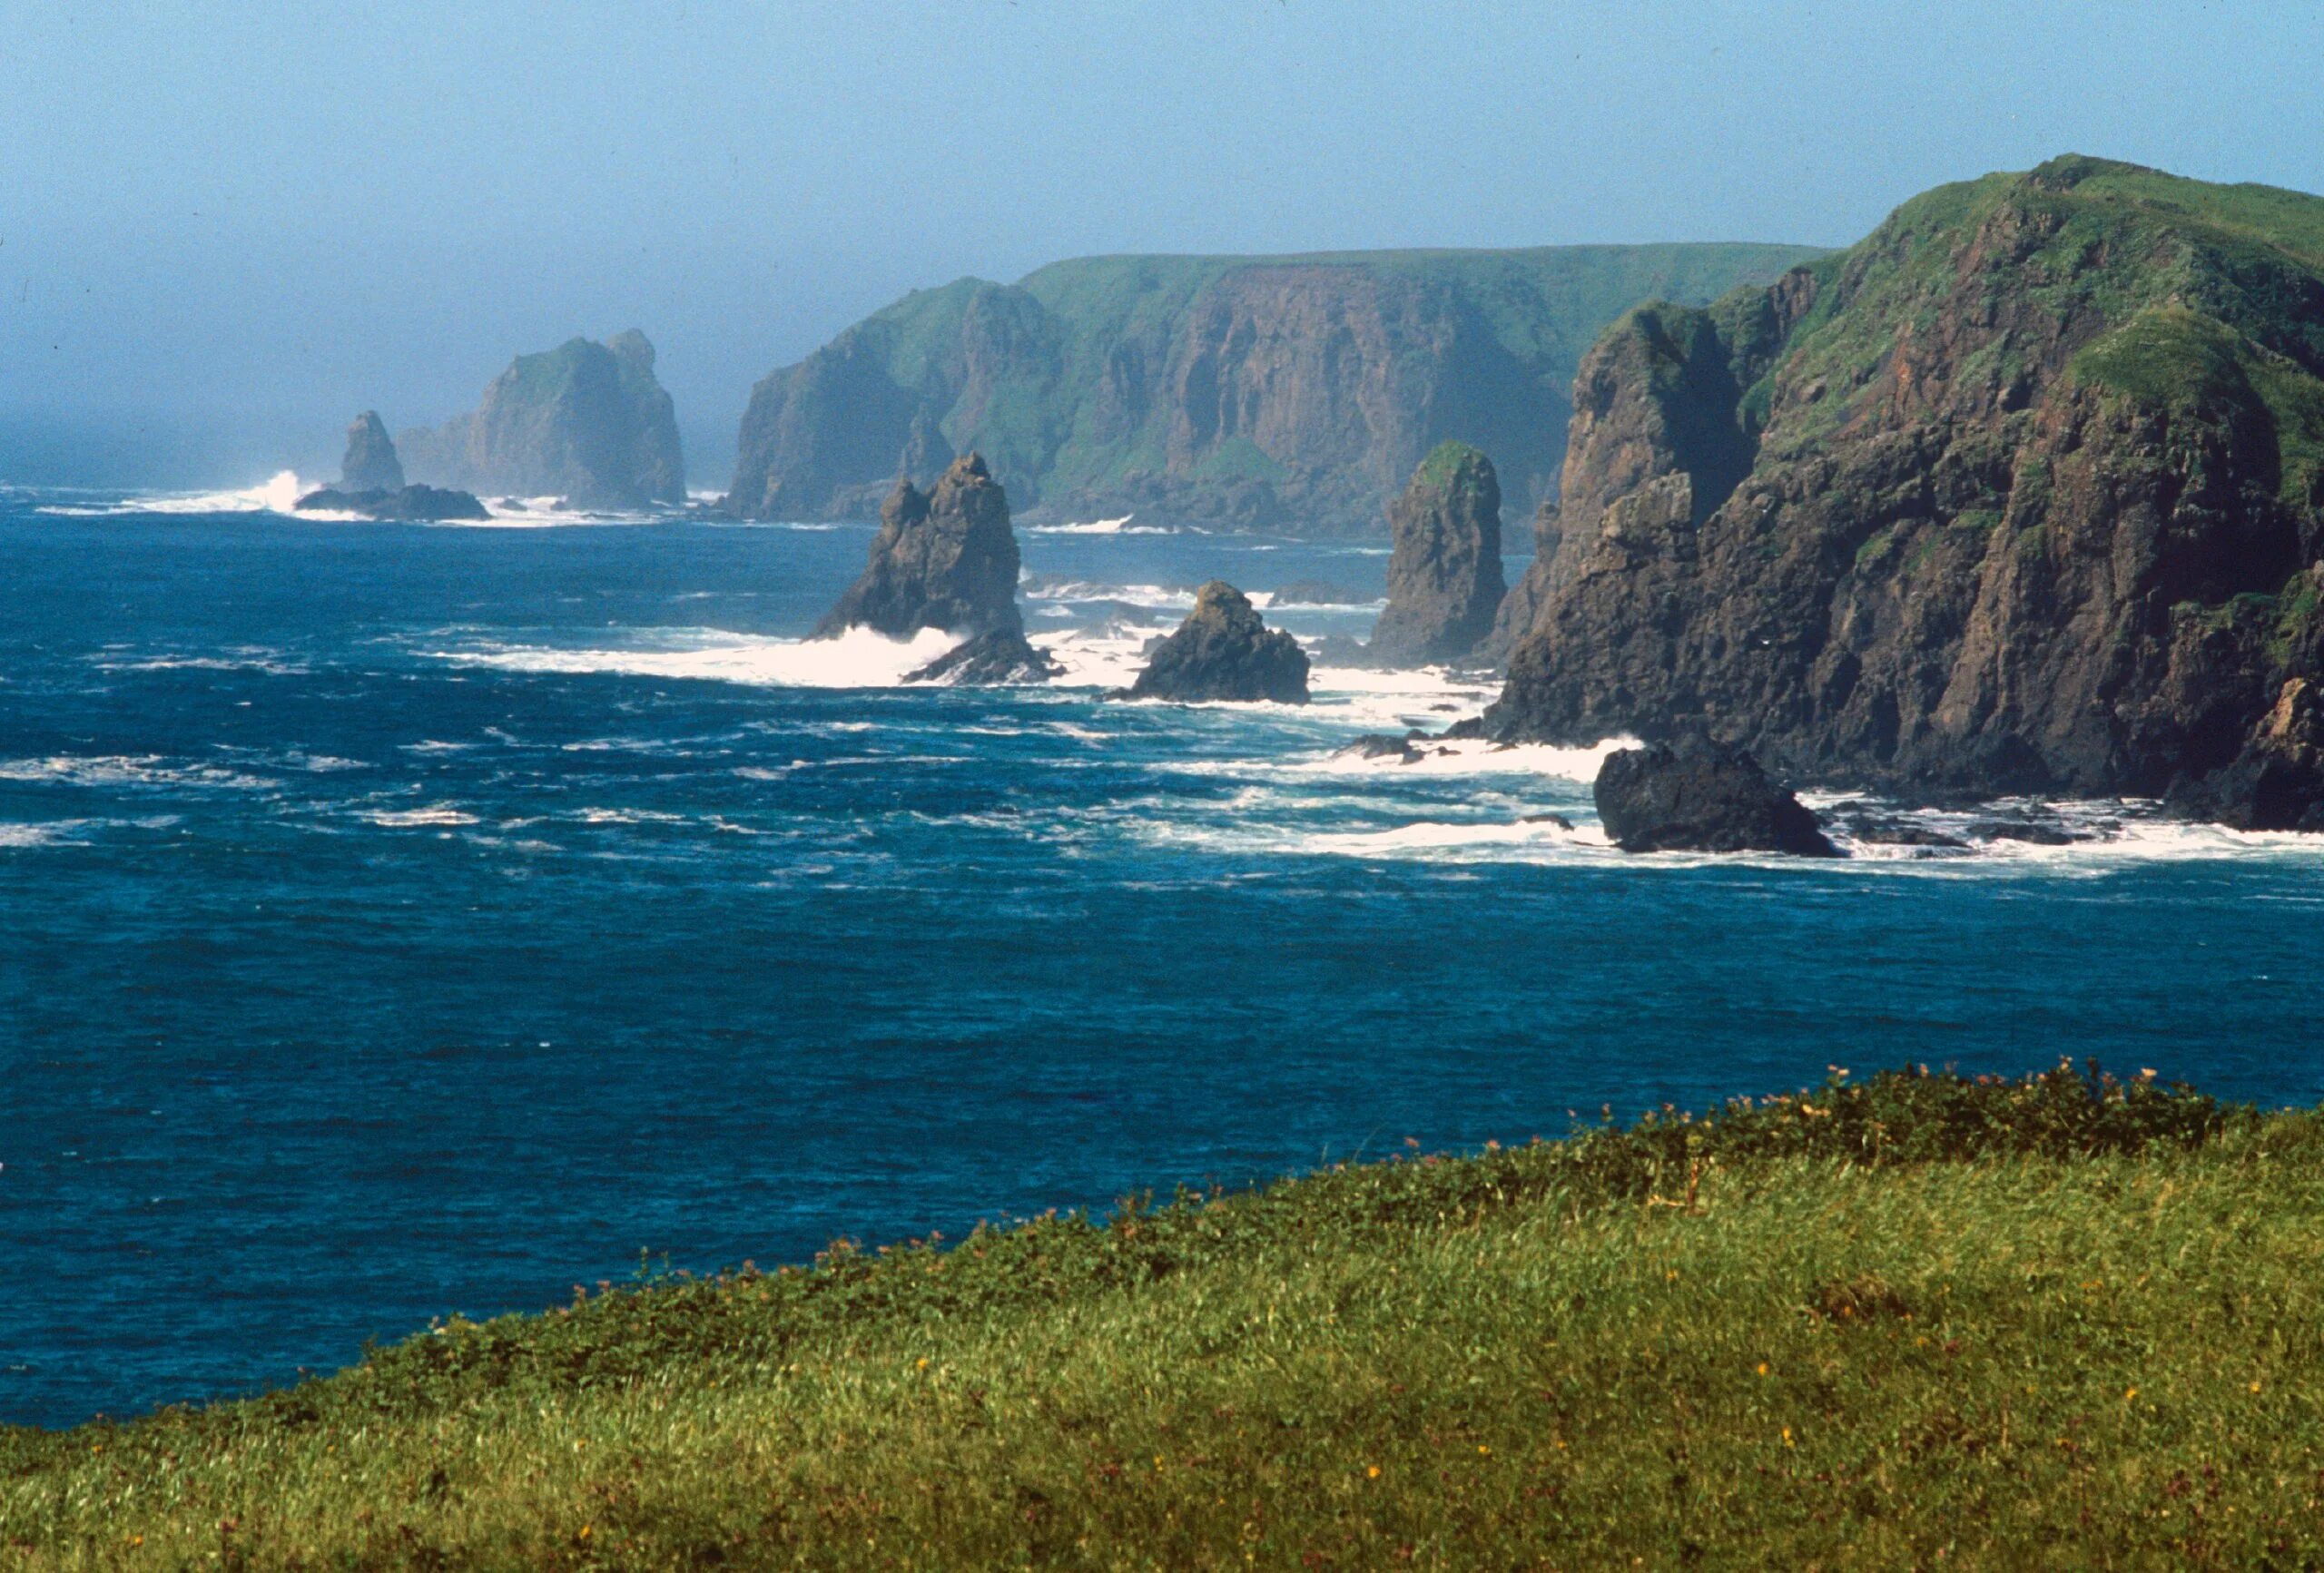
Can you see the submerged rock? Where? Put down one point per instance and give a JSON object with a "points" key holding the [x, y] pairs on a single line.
{"points": [[369, 464], [1224, 651], [422, 503], [1318, 593], [944, 559], [1382, 745], [998, 657], [1444, 581], [1701, 799]]}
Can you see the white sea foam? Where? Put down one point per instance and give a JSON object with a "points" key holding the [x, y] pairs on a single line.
{"points": [[859, 658], [442, 814], [125, 769], [1474, 756], [278, 495], [1150, 597], [23, 837], [1121, 527]]}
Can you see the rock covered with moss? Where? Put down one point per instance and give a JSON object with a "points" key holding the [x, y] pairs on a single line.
{"points": [[1224, 651], [1444, 579], [2023, 493]]}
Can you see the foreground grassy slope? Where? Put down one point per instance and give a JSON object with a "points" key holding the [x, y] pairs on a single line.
{"points": [[1915, 1322]]}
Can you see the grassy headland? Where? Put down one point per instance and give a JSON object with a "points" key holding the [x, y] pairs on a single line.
{"points": [[1919, 1321]]}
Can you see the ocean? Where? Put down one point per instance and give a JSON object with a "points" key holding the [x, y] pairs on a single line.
{"points": [[402, 920]]}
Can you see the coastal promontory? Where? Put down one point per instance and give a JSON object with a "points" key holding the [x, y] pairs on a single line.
{"points": [[2025, 493]]}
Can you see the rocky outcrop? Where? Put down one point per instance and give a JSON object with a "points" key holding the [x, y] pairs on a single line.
{"points": [[2021, 493], [1701, 799], [370, 464], [1521, 608], [944, 559], [423, 504], [1444, 581], [1224, 651], [1001, 656], [584, 422], [1291, 393]]}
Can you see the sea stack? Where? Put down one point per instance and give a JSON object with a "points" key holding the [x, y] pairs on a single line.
{"points": [[1444, 580], [1701, 799], [584, 422], [370, 464], [1224, 651], [947, 558]]}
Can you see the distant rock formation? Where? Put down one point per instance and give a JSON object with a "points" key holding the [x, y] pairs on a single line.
{"points": [[1701, 799], [584, 422], [370, 464], [1224, 651], [411, 503], [944, 559], [1284, 393], [1444, 581]]}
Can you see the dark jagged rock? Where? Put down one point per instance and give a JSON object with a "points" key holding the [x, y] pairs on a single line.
{"points": [[990, 660], [405, 503], [1318, 593], [1521, 608], [2277, 782], [1893, 832], [945, 558], [1701, 799], [370, 464], [2020, 494], [1444, 581], [1224, 651], [584, 422], [1285, 393], [1384, 745]]}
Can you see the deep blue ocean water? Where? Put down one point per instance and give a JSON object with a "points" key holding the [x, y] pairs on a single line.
{"points": [[397, 921]]}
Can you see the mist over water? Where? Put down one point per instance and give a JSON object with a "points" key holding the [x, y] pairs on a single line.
{"points": [[408, 919]]}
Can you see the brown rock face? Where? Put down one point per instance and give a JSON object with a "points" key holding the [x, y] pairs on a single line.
{"points": [[2024, 492], [945, 558], [1444, 580]]}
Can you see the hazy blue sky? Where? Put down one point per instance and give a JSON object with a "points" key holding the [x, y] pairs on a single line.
{"points": [[250, 219]]}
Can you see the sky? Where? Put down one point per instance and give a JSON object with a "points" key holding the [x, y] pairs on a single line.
{"points": [[225, 227]]}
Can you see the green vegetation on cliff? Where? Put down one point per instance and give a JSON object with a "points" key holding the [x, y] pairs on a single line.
{"points": [[1920, 1320], [2016, 493], [1296, 391]]}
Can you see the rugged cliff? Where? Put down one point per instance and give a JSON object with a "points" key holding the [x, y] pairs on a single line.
{"points": [[585, 422], [1292, 392], [2023, 491], [1444, 581]]}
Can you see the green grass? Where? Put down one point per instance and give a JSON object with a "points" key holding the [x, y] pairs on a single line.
{"points": [[1920, 1322]]}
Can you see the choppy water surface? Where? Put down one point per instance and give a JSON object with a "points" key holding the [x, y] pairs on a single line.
{"points": [[401, 919]]}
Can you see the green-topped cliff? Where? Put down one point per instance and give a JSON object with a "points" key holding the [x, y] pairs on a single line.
{"points": [[1293, 392], [2024, 491]]}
